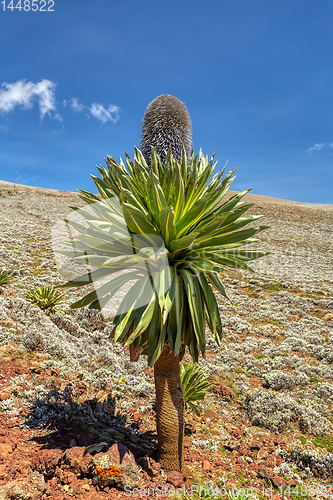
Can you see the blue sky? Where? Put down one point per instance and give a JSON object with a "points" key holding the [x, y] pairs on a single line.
{"points": [[256, 77]]}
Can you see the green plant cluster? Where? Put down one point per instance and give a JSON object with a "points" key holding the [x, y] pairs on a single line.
{"points": [[194, 384], [6, 277], [151, 216], [45, 297]]}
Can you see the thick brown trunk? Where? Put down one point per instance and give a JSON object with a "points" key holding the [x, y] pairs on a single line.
{"points": [[169, 411]]}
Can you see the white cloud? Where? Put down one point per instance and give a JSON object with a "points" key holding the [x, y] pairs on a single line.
{"points": [[98, 111], [23, 93], [74, 104], [111, 114], [320, 146]]}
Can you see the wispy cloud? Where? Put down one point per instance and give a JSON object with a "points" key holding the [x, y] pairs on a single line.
{"points": [[25, 94], [74, 104], [320, 146], [98, 111], [110, 114], [26, 178]]}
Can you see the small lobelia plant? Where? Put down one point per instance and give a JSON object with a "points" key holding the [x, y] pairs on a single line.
{"points": [[165, 227], [6, 277], [45, 297], [194, 385]]}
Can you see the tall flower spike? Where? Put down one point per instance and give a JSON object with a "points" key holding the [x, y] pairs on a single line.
{"points": [[166, 124]]}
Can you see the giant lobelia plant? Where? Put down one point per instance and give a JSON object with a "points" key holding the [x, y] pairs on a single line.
{"points": [[167, 230]]}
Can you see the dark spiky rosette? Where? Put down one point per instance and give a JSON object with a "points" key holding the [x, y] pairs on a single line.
{"points": [[168, 229]]}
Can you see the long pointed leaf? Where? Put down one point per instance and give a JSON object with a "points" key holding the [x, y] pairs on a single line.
{"points": [[193, 293], [136, 220], [237, 236], [177, 192], [183, 243], [168, 228], [212, 310], [109, 288], [217, 283], [143, 323]]}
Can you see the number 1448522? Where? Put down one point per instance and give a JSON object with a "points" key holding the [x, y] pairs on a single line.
{"points": [[27, 5]]}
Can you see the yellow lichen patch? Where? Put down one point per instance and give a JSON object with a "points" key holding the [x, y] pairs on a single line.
{"points": [[4, 395], [111, 472]]}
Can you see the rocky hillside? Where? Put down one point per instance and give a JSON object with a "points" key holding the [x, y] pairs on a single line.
{"points": [[77, 417]]}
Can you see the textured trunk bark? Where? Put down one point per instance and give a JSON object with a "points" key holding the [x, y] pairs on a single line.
{"points": [[169, 411]]}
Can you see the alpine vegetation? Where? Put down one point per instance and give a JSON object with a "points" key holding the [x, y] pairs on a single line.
{"points": [[194, 384], [45, 297], [165, 228], [6, 277]]}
